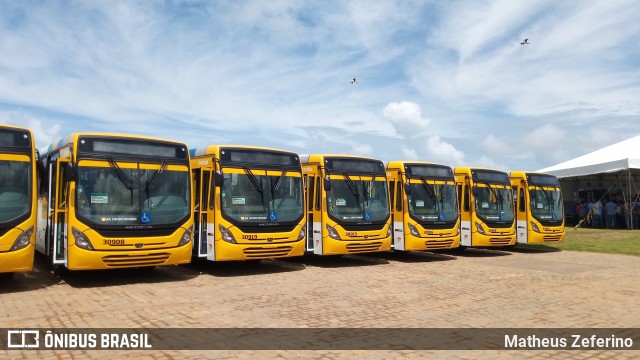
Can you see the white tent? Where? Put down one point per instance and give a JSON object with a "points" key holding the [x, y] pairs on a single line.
{"points": [[610, 172], [621, 156]]}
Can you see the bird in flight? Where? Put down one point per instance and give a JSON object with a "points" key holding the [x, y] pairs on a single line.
{"points": [[354, 81], [525, 42]]}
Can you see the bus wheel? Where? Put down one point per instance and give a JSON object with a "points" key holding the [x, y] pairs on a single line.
{"points": [[58, 270]]}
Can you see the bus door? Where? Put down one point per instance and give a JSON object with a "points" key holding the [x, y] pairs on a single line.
{"points": [[204, 203], [464, 201], [397, 213], [521, 209], [314, 210], [58, 210]]}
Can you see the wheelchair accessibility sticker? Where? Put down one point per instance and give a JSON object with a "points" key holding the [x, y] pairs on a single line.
{"points": [[145, 217]]}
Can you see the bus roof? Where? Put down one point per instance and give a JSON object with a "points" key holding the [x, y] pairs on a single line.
{"points": [[72, 137], [211, 149], [14, 127], [307, 158], [399, 163]]}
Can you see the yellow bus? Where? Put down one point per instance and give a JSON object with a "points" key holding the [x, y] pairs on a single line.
{"points": [[249, 203], [485, 199], [18, 199], [424, 206], [347, 204], [115, 201], [539, 207]]}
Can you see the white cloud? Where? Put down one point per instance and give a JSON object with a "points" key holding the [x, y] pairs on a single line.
{"points": [[442, 151], [545, 138], [362, 149], [496, 145], [409, 153], [406, 118]]}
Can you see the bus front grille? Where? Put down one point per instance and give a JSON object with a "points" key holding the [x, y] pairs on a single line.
{"points": [[438, 244], [362, 248], [266, 253], [552, 237], [500, 241], [136, 260]]}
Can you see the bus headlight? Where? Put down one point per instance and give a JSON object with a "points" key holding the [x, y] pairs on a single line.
{"points": [[186, 238], [333, 233], [413, 231], [389, 231], [480, 229], [303, 231], [227, 235], [81, 240], [23, 240], [535, 227]]}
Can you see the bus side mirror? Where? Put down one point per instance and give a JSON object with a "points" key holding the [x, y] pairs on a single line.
{"points": [[326, 183], [70, 172], [407, 188], [474, 191], [218, 178]]}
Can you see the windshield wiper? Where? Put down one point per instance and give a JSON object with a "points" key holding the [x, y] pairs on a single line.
{"points": [[550, 201], [353, 189], [366, 192], [275, 186], [258, 186], [123, 178], [254, 181], [153, 179], [496, 194], [430, 190], [121, 175], [149, 185]]}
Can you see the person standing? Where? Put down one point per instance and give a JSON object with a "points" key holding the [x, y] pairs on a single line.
{"points": [[635, 214], [598, 216], [610, 209]]}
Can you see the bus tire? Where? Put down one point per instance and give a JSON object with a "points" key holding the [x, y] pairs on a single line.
{"points": [[58, 270]]}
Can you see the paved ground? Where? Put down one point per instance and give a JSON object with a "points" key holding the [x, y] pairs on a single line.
{"points": [[470, 289]]}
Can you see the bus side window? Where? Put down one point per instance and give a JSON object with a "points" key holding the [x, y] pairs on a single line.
{"points": [[206, 184], [399, 196], [318, 187], [459, 190], [521, 199], [310, 189], [392, 187], [63, 187], [466, 197], [196, 179]]}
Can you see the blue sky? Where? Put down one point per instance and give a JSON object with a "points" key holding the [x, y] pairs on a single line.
{"points": [[440, 81]]}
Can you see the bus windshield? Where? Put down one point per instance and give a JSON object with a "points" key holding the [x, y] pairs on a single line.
{"points": [[430, 202], [118, 196], [494, 203], [252, 198], [15, 189], [352, 200], [546, 204]]}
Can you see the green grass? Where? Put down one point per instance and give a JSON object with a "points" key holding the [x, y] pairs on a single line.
{"points": [[599, 240]]}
